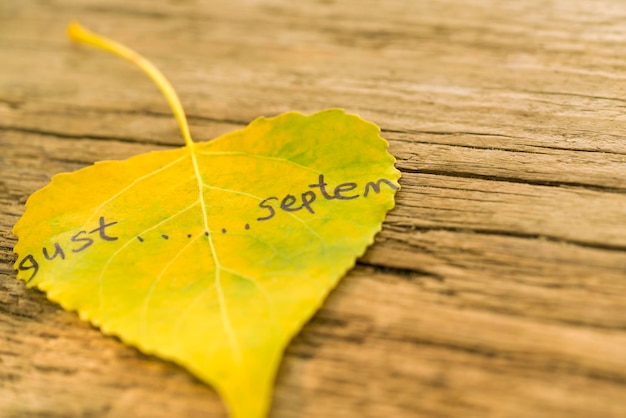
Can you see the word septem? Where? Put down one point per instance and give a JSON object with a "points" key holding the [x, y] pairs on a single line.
{"points": [[305, 200]]}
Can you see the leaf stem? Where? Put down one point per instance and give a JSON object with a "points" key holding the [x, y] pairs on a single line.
{"points": [[79, 34]]}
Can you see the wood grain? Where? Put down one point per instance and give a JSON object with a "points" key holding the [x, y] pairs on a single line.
{"points": [[497, 287]]}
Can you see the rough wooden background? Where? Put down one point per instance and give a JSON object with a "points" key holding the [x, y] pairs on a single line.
{"points": [[497, 287]]}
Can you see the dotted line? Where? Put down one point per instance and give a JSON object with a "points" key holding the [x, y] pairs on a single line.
{"points": [[166, 237]]}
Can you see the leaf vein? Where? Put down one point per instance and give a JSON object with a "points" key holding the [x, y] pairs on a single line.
{"points": [[133, 183], [261, 156], [145, 306], [262, 290], [188, 309], [123, 247]]}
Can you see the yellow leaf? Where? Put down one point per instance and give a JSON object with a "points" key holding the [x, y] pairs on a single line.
{"points": [[215, 254]]}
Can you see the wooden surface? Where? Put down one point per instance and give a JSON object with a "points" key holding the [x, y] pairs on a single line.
{"points": [[497, 287]]}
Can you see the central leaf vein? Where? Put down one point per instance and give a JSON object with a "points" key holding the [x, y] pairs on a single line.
{"points": [[228, 328]]}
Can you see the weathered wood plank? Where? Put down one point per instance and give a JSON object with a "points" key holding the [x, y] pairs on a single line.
{"points": [[497, 287]]}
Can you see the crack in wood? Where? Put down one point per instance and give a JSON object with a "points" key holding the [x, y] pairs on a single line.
{"points": [[510, 233], [504, 179], [63, 135], [407, 273]]}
